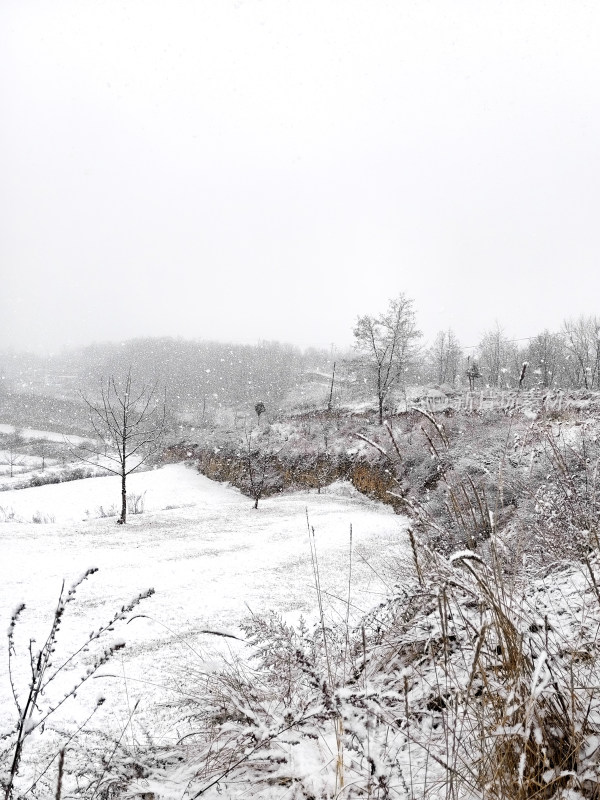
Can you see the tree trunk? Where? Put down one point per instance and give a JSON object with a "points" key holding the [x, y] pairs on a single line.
{"points": [[256, 502], [123, 518], [380, 410]]}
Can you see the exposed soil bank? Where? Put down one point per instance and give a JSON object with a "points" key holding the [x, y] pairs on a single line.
{"points": [[293, 472]]}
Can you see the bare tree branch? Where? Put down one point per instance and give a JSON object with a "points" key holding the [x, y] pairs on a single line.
{"points": [[131, 423], [386, 345]]}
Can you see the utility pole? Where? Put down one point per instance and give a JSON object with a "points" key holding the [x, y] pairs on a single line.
{"points": [[330, 401]]}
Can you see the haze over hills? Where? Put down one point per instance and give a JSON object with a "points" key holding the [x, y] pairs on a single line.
{"points": [[199, 377], [202, 378]]}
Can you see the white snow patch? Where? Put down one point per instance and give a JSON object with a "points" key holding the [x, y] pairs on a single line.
{"points": [[208, 554]]}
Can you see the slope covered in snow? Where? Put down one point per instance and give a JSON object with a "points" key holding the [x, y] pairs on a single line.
{"points": [[207, 553]]}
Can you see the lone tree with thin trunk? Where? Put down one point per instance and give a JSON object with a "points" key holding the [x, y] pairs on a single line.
{"points": [[131, 422], [387, 346], [13, 455], [259, 458]]}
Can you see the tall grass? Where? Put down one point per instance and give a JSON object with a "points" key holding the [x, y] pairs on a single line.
{"points": [[477, 678]]}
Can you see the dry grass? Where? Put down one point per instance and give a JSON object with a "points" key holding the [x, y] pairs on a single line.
{"points": [[477, 678]]}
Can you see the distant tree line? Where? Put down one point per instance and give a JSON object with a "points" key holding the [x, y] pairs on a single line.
{"points": [[389, 355], [203, 377], [568, 358]]}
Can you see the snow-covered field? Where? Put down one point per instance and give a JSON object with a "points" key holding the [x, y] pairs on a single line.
{"points": [[208, 554], [49, 436]]}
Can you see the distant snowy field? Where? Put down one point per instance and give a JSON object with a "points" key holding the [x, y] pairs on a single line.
{"points": [[50, 436], [208, 554]]}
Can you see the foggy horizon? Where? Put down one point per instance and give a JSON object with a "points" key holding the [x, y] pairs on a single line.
{"points": [[333, 348], [101, 343], [244, 171]]}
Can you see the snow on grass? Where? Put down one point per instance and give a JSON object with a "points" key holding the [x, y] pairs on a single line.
{"points": [[208, 554], [74, 501], [49, 436], [21, 462]]}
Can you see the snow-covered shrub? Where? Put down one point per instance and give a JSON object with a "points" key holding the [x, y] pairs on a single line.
{"points": [[7, 514], [135, 502], [41, 518], [567, 500], [40, 700], [56, 475], [459, 687]]}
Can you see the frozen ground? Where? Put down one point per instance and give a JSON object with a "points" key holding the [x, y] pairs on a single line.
{"points": [[208, 554]]}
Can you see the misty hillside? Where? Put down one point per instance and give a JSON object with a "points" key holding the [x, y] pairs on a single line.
{"points": [[200, 378], [375, 575]]}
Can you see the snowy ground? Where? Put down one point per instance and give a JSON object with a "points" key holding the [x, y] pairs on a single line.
{"points": [[49, 436], [208, 554], [20, 463]]}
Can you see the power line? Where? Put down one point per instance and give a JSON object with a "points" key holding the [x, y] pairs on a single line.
{"points": [[523, 339]]}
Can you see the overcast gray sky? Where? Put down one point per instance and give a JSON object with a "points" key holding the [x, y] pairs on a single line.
{"points": [[270, 169]]}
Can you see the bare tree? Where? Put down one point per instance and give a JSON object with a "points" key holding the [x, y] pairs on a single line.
{"points": [[131, 423], [546, 354], [445, 357], [387, 346], [258, 459], [582, 342], [42, 452], [13, 457], [497, 358]]}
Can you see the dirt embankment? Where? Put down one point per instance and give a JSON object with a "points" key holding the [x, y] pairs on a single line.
{"points": [[292, 471], [459, 469]]}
